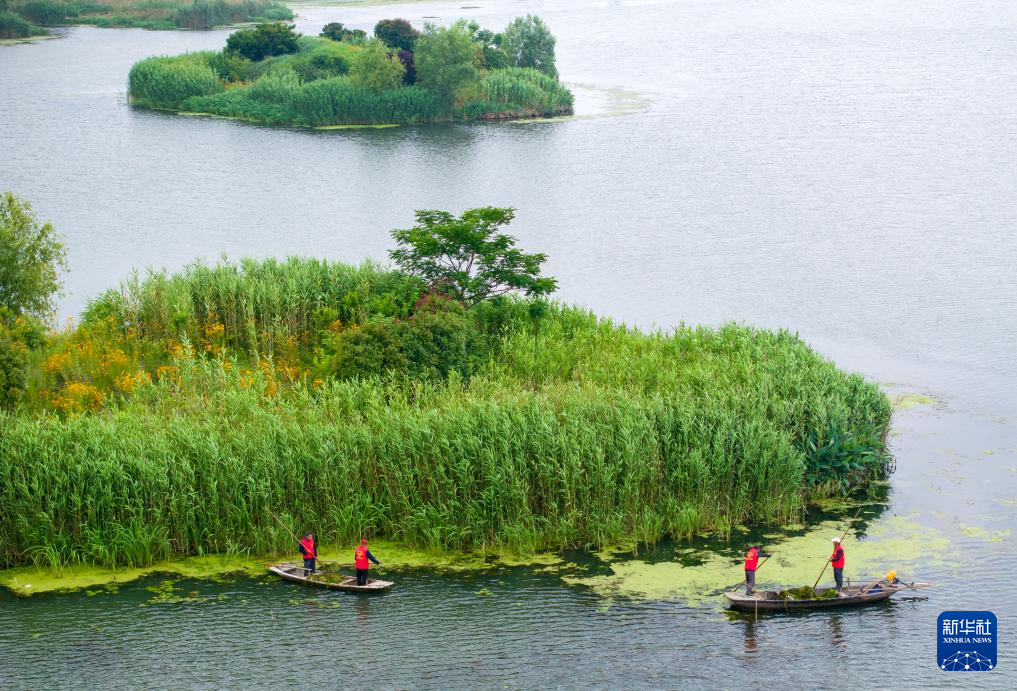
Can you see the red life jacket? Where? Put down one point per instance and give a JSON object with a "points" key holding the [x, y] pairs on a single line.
{"points": [[752, 559], [360, 558], [308, 546], [837, 560]]}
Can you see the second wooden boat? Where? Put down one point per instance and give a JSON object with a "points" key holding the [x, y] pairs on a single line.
{"points": [[328, 579], [771, 600]]}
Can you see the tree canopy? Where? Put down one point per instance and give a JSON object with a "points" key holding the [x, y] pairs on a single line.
{"points": [[529, 43], [31, 258], [377, 68], [263, 41], [396, 33], [468, 256], [444, 58], [338, 32]]}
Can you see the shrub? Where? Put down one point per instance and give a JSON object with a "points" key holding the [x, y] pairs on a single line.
{"points": [[440, 339], [376, 348], [167, 82], [263, 41], [396, 33], [376, 68], [436, 341], [529, 43]]}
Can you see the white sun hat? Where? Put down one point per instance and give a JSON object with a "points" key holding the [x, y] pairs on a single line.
{"points": [[836, 539]]}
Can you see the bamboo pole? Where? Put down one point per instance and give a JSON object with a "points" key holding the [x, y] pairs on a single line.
{"points": [[827, 562]]}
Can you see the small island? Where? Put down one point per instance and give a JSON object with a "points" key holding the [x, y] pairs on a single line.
{"points": [[270, 74], [27, 18], [444, 403]]}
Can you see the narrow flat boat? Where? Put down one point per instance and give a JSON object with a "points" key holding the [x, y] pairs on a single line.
{"points": [[862, 594], [332, 580]]}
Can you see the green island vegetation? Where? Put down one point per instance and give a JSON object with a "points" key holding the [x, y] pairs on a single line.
{"points": [[443, 403], [270, 74], [24, 18]]}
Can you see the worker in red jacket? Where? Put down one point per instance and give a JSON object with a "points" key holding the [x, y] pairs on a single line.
{"points": [[310, 552], [751, 564], [361, 560], [837, 561]]}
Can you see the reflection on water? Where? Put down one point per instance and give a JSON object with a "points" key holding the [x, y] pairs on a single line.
{"points": [[845, 170]]}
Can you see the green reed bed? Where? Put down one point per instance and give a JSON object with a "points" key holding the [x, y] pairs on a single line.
{"points": [[13, 25], [570, 431], [167, 82], [433, 466], [151, 14], [519, 92], [256, 302], [281, 98]]}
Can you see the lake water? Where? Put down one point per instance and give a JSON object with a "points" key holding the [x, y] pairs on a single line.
{"points": [[843, 169]]}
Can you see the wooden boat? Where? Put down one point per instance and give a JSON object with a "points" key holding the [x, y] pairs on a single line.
{"points": [[295, 573], [863, 594]]}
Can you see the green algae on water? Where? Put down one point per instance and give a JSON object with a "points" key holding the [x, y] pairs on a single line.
{"points": [[896, 542], [30, 580], [912, 400]]}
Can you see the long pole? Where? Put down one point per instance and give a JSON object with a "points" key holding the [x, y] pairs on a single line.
{"points": [[827, 562], [296, 539], [292, 534]]}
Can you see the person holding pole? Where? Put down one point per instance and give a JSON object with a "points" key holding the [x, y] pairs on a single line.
{"points": [[837, 561], [309, 549], [751, 564]]}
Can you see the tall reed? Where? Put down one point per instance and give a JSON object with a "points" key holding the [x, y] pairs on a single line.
{"points": [[162, 82]]}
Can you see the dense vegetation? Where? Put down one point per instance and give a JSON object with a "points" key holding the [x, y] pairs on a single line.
{"points": [[357, 399], [271, 74], [144, 14], [13, 25]]}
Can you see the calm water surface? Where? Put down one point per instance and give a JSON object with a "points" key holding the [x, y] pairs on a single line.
{"points": [[843, 169]]}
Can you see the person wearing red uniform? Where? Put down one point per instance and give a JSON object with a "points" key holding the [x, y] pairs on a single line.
{"points": [[837, 561], [751, 564], [362, 559], [309, 549]]}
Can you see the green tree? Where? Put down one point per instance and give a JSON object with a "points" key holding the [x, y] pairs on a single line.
{"points": [[376, 68], [444, 58], [489, 49], [263, 41], [529, 43], [468, 257], [31, 258], [396, 33], [337, 32]]}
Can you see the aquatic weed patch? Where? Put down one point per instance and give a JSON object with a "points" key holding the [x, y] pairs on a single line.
{"points": [[697, 576]]}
